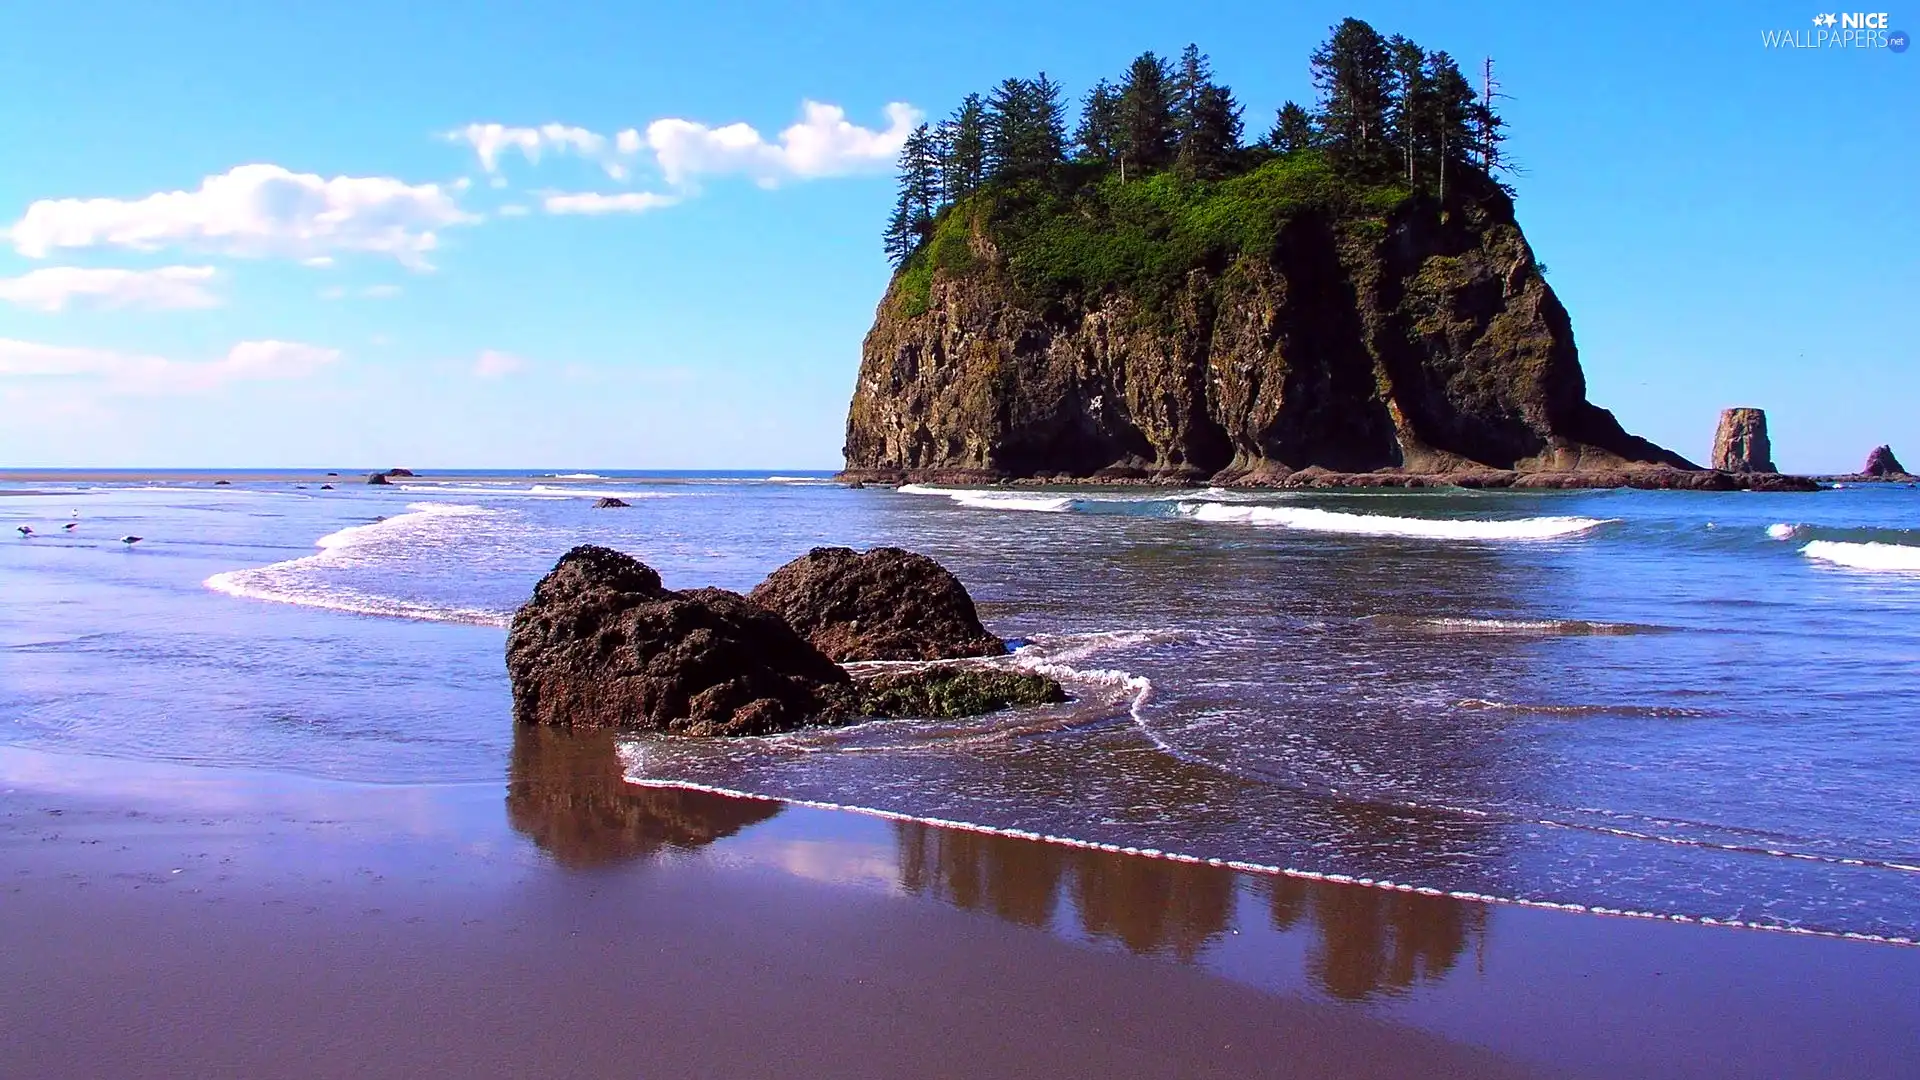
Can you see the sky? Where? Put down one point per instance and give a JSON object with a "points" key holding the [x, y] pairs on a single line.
{"points": [[648, 236]]}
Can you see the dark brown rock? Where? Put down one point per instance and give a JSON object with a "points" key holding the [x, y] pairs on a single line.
{"points": [[399, 472], [1430, 345], [1881, 462], [1741, 445], [602, 644], [326, 487], [885, 604], [610, 503], [377, 479]]}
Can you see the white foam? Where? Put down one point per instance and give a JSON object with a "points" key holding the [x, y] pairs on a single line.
{"points": [[290, 582], [1307, 519], [996, 500], [596, 493], [632, 756], [1894, 557], [1781, 531], [578, 476]]}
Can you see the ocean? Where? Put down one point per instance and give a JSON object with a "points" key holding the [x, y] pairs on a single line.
{"points": [[1684, 705]]}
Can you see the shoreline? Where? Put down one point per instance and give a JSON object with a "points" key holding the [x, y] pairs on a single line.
{"points": [[176, 919], [1649, 479]]}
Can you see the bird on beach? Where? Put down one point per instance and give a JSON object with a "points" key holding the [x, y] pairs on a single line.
{"points": [[26, 530], [131, 540]]}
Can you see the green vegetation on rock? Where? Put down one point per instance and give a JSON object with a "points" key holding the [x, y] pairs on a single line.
{"points": [[948, 691]]}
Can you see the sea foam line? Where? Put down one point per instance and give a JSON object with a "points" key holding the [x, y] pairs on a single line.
{"points": [[1309, 519], [259, 583], [1265, 869], [995, 500]]}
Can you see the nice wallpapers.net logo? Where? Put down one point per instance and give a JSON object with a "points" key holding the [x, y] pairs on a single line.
{"points": [[1845, 30]]}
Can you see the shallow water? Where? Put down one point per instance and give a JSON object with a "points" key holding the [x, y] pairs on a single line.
{"points": [[1678, 703]]}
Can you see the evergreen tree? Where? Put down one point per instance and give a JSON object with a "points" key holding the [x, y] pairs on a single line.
{"points": [[1026, 129], [1487, 123], [1212, 139], [1098, 136], [1292, 129], [1147, 136], [1410, 105], [1190, 78], [1353, 72], [1452, 109], [919, 200], [963, 150]]}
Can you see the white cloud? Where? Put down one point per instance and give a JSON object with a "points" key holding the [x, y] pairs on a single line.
{"points": [[168, 287], [823, 143], [371, 292], [491, 141], [512, 210], [134, 373], [320, 262], [497, 365], [588, 202], [628, 142], [253, 211]]}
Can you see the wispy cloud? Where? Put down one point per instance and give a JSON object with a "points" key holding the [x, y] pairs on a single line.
{"points": [[823, 143], [587, 202], [54, 288], [253, 211], [135, 373], [493, 364]]}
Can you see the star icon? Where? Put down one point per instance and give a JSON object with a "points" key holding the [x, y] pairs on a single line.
{"points": [[1830, 20]]}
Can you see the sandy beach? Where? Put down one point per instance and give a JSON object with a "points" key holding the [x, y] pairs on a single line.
{"points": [[170, 920]]}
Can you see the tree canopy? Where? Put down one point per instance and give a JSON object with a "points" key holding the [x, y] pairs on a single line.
{"points": [[1388, 112]]}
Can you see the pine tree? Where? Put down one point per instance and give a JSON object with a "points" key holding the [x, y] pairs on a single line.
{"points": [[1451, 107], [913, 212], [1488, 123], [1292, 129], [1409, 104], [963, 150], [1212, 139], [1098, 136], [1190, 78], [1009, 114], [1047, 146], [1352, 72], [1146, 116]]}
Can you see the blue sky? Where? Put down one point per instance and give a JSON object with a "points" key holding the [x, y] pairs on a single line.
{"points": [[345, 282]]}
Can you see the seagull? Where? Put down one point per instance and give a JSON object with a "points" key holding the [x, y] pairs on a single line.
{"points": [[72, 525], [130, 540], [26, 530]]}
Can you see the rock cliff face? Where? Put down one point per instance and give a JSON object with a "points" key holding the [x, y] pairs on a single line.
{"points": [[1741, 445], [1421, 342], [1882, 463]]}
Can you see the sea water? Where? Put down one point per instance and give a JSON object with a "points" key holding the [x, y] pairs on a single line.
{"points": [[1676, 704]]}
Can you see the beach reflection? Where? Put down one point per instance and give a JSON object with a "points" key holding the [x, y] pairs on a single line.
{"points": [[566, 792], [1365, 942]]}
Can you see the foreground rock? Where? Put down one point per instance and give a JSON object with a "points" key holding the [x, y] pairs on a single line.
{"points": [[610, 503], [602, 644], [1882, 463], [1741, 444], [885, 604], [377, 479]]}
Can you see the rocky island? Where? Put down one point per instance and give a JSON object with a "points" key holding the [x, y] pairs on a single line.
{"points": [[1348, 300]]}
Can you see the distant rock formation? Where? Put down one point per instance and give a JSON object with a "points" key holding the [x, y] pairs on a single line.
{"points": [[1403, 341], [610, 503], [885, 604], [377, 479], [326, 487], [603, 644], [222, 483], [1882, 463], [1741, 446], [399, 472]]}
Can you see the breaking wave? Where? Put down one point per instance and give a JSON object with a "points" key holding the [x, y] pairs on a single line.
{"points": [[1522, 627], [1895, 557], [1307, 519], [304, 581], [996, 500]]}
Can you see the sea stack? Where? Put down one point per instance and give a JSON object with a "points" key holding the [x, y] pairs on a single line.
{"points": [[377, 479], [1741, 446], [1882, 463]]}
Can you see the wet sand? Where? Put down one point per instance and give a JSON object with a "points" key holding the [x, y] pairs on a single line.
{"points": [[166, 920]]}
